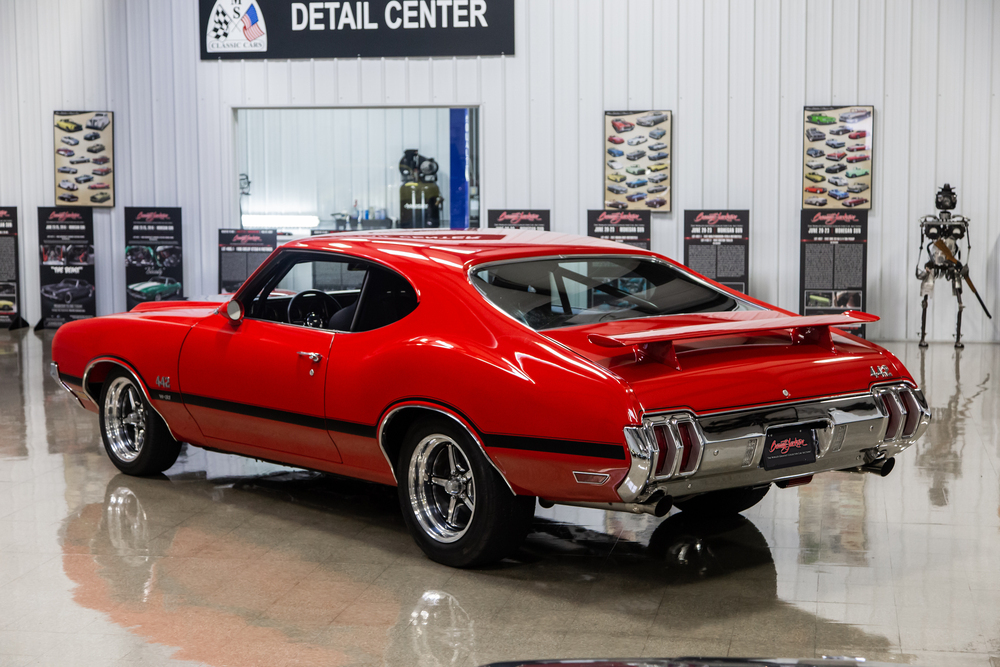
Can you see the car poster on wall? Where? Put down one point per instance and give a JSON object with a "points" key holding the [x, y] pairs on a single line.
{"points": [[154, 259], [11, 308], [637, 160], [84, 158], [66, 258], [833, 264], [241, 251], [837, 157], [506, 218], [717, 245], [629, 227]]}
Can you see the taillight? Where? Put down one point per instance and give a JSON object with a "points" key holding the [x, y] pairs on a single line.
{"points": [[665, 444], [895, 411], [912, 413], [688, 449]]}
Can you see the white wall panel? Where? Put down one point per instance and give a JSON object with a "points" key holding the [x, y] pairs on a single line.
{"points": [[736, 74]]}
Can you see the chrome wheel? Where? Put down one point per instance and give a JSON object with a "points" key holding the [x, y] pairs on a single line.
{"points": [[124, 419], [442, 489]]}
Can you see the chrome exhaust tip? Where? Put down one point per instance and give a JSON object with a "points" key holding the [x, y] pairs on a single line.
{"points": [[880, 467]]}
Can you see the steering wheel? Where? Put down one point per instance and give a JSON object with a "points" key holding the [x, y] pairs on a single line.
{"points": [[316, 307]]}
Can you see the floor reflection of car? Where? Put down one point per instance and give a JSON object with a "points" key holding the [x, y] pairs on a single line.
{"points": [[155, 289], [68, 290]]}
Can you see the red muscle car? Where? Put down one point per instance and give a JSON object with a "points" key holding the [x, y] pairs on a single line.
{"points": [[622, 125], [479, 370]]}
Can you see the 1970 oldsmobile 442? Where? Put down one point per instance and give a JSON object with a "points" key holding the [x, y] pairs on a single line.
{"points": [[479, 370]]}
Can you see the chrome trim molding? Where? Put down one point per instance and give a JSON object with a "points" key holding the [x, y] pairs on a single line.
{"points": [[642, 449], [475, 437], [138, 381], [54, 374]]}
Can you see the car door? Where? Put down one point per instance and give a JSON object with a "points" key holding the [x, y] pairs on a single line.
{"points": [[261, 382]]}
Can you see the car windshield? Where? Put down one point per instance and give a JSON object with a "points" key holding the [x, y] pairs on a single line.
{"points": [[551, 293]]}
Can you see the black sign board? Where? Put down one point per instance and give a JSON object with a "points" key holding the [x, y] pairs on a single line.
{"points": [[241, 251], [833, 263], [504, 218], [11, 308], [629, 227], [717, 245], [154, 260], [66, 257], [281, 29]]}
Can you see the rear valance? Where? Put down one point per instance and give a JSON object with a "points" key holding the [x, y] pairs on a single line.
{"points": [[658, 343]]}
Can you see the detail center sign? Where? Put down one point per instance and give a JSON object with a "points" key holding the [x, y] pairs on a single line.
{"points": [[277, 29]]}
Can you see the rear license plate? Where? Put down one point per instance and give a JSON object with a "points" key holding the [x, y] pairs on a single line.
{"points": [[789, 446]]}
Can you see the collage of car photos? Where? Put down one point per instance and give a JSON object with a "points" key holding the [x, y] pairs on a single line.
{"points": [[637, 160], [837, 157], [84, 159]]}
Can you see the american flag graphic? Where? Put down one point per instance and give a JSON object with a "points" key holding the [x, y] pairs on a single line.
{"points": [[250, 27]]}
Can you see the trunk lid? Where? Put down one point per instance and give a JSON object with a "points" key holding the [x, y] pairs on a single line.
{"points": [[728, 370]]}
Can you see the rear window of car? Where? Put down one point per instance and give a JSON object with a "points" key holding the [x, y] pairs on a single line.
{"points": [[561, 292]]}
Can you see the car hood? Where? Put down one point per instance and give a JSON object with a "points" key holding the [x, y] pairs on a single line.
{"points": [[736, 371]]}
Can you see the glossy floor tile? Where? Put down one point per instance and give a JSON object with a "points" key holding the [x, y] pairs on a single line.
{"points": [[228, 561]]}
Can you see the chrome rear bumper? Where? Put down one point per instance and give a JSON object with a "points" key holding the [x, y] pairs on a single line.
{"points": [[851, 430]]}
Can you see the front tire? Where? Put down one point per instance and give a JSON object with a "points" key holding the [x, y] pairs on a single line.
{"points": [[724, 502], [455, 504], [135, 438]]}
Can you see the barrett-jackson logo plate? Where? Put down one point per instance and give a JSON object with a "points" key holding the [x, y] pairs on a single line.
{"points": [[789, 446]]}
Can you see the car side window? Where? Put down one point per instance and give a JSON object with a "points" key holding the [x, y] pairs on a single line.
{"points": [[332, 292]]}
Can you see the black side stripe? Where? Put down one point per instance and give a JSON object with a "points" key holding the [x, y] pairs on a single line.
{"points": [[567, 447]]}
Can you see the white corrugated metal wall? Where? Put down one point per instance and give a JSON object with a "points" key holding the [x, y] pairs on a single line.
{"points": [[736, 74]]}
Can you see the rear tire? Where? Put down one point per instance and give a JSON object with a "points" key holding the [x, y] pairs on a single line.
{"points": [[724, 502], [458, 509], [135, 438]]}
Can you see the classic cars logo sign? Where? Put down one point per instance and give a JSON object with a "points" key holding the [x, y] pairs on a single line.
{"points": [[237, 29], [628, 227], [833, 263], [837, 156], [84, 158], [716, 245], [10, 287], [241, 251], [154, 258], [505, 218], [637, 150], [66, 258]]}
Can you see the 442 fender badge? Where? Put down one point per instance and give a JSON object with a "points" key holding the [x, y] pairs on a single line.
{"points": [[880, 371], [163, 381]]}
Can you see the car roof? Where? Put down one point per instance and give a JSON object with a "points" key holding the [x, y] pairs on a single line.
{"points": [[460, 249]]}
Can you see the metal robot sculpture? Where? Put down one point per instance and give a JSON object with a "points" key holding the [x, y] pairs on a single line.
{"points": [[942, 232]]}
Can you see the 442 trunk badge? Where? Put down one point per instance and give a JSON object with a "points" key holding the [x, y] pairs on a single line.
{"points": [[881, 371]]}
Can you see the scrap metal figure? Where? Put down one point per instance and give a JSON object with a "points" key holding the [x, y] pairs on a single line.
{"points": [[943, 232]]}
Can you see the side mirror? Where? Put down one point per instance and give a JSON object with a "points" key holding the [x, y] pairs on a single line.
{"points": [[233, 310]]}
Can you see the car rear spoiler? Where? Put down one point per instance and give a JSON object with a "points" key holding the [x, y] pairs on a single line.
{"points": [[658, 344]]}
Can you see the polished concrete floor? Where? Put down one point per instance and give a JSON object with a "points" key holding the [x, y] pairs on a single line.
{"points": [[227, 561]]}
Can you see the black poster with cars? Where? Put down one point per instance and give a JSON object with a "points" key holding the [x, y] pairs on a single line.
{"points": [[11, 307], [66, 258], [717, 245], [637, 160], [84, 158], [282, 29], [628, 227], [154, 258], [833, 264], [506, 218], [837, 157], [241, 251]]}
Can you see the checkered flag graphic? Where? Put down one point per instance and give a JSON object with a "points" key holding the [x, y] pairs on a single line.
{"points": [[220, 26]]}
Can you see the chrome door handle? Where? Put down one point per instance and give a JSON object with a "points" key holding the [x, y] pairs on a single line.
{"points": [[316, 357]]}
